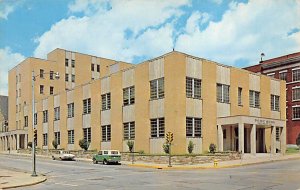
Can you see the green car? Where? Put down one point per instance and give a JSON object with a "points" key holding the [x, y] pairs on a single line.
{"points": [[107, 157]]}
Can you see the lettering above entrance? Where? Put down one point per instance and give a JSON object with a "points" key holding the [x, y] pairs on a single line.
{"points": [[264, 122]]}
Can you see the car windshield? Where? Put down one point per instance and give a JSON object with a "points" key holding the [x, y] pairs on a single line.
{"points": [[114, 152]]}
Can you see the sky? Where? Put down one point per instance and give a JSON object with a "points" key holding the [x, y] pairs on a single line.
{"points": [[231, 32]]}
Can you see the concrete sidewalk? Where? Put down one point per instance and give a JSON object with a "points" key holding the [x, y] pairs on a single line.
{"points": [[13, 179]]}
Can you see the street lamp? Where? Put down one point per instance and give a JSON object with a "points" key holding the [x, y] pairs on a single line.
{"points": [[33, 126]]}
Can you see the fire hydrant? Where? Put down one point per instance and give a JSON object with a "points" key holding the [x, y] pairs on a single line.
{"points": [[215, 163]]}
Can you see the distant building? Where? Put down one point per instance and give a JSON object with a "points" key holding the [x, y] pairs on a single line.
{"points": [[286, 68], [3, 113]]}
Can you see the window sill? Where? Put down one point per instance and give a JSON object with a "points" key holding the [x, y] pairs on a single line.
{"points": [[156, 99], [105, 110], [241, 105], [297, 100], [195, 98], [256, 107], [296, 119], [224, 102], [128, 105], [157, 137], [86, 113], [194, 137]]}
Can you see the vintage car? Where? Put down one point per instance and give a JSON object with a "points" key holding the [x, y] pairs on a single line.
{"points": [[63, 155], [107, 157]]}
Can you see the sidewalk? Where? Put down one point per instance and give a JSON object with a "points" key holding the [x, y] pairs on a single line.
{"points": [[13, 179]]}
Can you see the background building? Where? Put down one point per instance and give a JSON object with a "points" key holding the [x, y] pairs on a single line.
{"points": [[196, 99], [286, 68], [4, 121]]}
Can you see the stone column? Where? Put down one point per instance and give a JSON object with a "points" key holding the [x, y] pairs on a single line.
{"points": [[25, 141], [1, 143], [220, 138], [241, 138], [283, 140], [273, 139], [18, 142], [253, 139]]}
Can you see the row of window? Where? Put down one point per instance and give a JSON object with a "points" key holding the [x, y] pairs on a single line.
{"points": [[42, 90], [283, 75], [51, 74], [72, 63], [67, 77], [97, 67]]}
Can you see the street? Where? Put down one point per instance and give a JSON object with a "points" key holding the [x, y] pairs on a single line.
{"points": [[83, 175]]}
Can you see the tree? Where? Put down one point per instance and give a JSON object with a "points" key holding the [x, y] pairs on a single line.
{"points": [[191, 147], [55, 144], [84, 144], [130, 145], [212, 148], [166, 148]]}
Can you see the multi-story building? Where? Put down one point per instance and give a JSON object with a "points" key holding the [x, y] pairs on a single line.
{"points": [[196, 99], [4, 120], [286, 68]]}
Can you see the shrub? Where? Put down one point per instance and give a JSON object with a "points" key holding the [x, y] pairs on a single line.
{"points": [[212, 148], [298, 140], [130, 145], [141, 152], [191, 147], [166, 148], [54, 144], [29, 144], [84, 144]]}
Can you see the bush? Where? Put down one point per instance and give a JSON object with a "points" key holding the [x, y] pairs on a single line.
{"points": [[29, 144], [55, 144], [130, 145], [298, 140], [212, 148], [84, 144], [166, 148], [191, 147], [141, 152]]}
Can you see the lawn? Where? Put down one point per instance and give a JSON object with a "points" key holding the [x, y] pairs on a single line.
{"points": [[292, 150]]}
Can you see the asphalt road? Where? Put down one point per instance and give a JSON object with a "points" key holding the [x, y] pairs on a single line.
{"points": [[81, 175]]}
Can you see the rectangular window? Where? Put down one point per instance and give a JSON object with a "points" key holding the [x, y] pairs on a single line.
{"points": [[283, 76], [129, 130], [193, 127], [296, 112], [73, 78], [25, 121], [56, 113], [98, 68], [67, 62], [73, 63], [224, 133], [92, 67], [106, 133], [70, 136], [45, 116], [240, 96], [157, 127], [57, 137], [128, 96], [193, 88], [254, 99], [296, 75], [41, 73], [35, 118], [274, 103], [51, 75], [296, 94], [277, 134], [106, 103], [45, 139], [70, 110], [41, 89], [87, 106], [157, 89], [67, 77], [51, 90], [223, 93], [87, 134]]}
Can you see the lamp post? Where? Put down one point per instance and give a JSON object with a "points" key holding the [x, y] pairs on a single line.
{"points": [[33, 125]]}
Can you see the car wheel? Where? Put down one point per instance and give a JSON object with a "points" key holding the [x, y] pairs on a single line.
{"points": [[95, 161], [105, 162]]}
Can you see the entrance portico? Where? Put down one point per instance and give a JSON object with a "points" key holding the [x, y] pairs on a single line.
{"points": [[248, 134]]}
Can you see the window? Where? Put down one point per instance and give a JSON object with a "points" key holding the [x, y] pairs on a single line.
{"points": [[274, 103], [296, 94], [271, 75], [16, 79], [296, 112], [87, 106], [67, 77], [193, 127], [106, 133], [45, 139], [45, 116], [283, 76], [25, 121], [157, 89], [98, 68], [51, 90], [70, 136], [105, 101], [57, 137], [128, 96], [41, 73], [87, 134], [157, 127], [51, 75], [193, 88], [70, 110], [240, 96], [92, 67], [73, 78], [35, 118], [277, 134], [73, 63], [222, 93], [56, 113], [224, 133], [41, 89], [254, 100], [67, 62], [296, 75], [129, 130]]}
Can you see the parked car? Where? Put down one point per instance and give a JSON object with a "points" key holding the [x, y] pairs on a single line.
{"points": [[63, 155], [107, 157]]}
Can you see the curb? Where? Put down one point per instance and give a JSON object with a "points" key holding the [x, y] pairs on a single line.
{"points": [[26, 185]]}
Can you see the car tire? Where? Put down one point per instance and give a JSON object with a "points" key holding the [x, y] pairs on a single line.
{"points": [[105, 162], [95, 161]]}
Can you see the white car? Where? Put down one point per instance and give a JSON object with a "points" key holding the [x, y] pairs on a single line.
{"points": [[63, 155]]}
